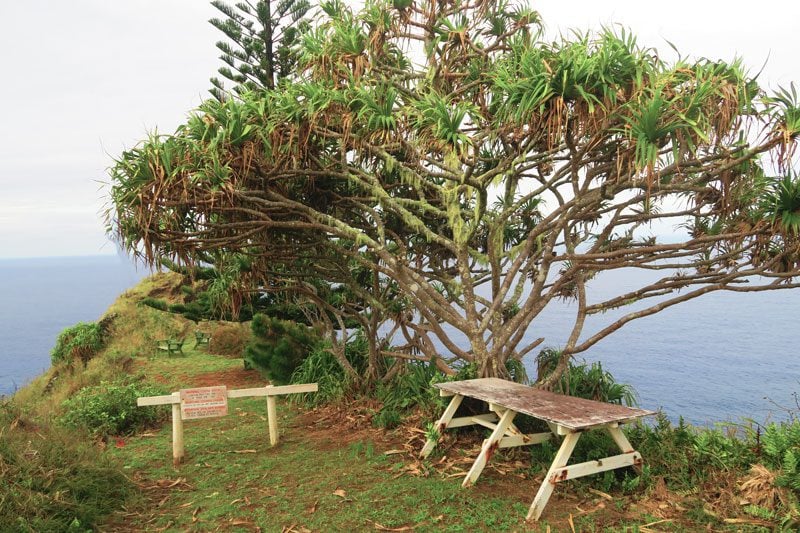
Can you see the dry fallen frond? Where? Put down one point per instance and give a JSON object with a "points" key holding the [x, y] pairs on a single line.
{"points": [[758, 487]]}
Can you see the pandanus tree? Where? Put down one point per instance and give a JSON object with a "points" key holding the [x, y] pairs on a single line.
{"points": [[447, 151]]}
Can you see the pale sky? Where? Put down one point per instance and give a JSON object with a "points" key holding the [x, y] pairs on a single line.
{"points": [[84, 79]]}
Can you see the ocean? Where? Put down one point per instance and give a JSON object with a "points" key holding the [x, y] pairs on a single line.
{"points": [[41, 297], [719, 358]]}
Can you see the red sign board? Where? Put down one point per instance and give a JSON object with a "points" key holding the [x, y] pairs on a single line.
{"points": [[204, 402]]}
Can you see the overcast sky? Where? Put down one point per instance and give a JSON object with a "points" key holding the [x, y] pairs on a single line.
{"points": [[84, 79]]}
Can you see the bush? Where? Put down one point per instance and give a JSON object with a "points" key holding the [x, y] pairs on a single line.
{"points": [[781, 451], [79, 342], [321, 367], [685, 456], [228, 339], [110, 409], [155, 303], [586, 381], [52, 482], [387, 418], [410, 387], [279, 346]]}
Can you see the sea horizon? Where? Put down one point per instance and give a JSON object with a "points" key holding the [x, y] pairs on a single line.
{"points": [[722, 357]]}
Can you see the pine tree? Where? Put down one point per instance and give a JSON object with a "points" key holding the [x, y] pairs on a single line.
{"points": [[259, 40]]}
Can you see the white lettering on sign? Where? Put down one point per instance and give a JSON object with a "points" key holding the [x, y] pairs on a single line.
{"points": [[204, 402]]}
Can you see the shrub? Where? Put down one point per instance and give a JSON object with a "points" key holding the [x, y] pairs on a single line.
{"points": [[410, 387], [52, 482], [781, 451], [387, 418], [155, 303], [685, 456], [228, 339], [586, 381], [321, 367], [279, 346], [79, 342], [110, 409]]}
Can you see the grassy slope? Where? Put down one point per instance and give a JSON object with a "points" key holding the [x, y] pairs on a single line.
{"points": [[330, 472]]}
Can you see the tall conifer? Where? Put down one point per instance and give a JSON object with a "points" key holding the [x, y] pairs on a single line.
{"points": [[259, 34]]}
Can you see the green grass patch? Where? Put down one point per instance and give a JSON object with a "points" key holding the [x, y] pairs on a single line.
{"points": [[236, 477], [53, 481]]}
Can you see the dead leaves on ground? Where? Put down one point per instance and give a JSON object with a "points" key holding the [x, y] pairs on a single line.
{"points": [[380, 527], [178, 484]]}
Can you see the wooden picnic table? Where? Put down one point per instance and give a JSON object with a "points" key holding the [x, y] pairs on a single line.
{"points": [[566, 416]]}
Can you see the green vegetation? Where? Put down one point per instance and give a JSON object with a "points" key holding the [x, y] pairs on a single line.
{"points": [[584, 380], [80, 342], [279, 347], [445, 171], [780, 444], [331, 470], [110, 408], [260, 36], [378, 186], [52, 481]]}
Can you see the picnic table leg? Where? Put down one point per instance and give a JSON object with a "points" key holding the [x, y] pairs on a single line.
{"points": [[490, 445], [548, 485], [441, 424], [620, 438], [624, 444]]}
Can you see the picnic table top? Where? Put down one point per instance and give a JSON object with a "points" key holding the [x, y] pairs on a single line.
{"points": [[568, 411]]}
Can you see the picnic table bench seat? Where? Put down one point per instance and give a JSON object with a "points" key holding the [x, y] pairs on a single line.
{"points": [[566, 416]]}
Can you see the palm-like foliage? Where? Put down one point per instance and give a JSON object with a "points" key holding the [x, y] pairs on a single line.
{"points": [[782, 204], [373, 169]]}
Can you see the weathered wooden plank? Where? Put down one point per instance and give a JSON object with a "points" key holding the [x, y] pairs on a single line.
{"points": [[236, 393], [621, 440], [246, 393], [157, 400], [270, 390], [485, 423], [570, 412], [593, 467], [470, 420], [292, 389], [272, 418], [525, 440]]}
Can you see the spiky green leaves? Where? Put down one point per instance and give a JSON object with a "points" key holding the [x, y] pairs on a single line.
{"points": [[781, 204], [436, 119]]}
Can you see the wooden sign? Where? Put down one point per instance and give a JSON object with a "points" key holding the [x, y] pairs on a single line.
{"points": [[204, 402]]}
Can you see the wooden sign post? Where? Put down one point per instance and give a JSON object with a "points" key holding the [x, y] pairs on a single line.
{"points": [[205, 402]]}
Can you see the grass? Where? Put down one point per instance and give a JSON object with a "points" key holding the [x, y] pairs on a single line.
{"points": [[332, 474], [330, 471], [235, 477], [51, 481]]}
